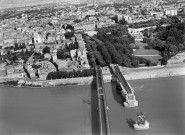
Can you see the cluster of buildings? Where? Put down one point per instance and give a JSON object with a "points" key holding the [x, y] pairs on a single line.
{"points": [[156, 9], [36, 29], [33, 32], [152, 10]]}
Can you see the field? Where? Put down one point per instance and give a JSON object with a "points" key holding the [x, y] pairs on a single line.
{"points": [[150, 54]]}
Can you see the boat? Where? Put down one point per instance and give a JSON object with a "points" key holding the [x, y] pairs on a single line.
{"points": [[141, 123], [144, 126]]}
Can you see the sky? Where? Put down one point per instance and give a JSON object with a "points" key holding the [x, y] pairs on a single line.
{"points": [[15, 3]]}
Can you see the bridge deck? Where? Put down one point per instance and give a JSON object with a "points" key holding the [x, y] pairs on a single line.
{"points": [[122, 80], [102, 105]]}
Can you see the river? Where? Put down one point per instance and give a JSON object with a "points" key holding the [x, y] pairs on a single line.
{"points": [[163, 101], [72, 110], [21, 3], [48, 111]]}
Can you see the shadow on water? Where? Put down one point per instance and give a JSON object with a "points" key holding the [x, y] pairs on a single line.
{"points": [[130, 122], [94, 109], [116, 91]]}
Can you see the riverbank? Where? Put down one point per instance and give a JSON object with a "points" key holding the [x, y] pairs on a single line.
{"points": [[153, 72], [48, 83], [147, 72], [129, 74]]}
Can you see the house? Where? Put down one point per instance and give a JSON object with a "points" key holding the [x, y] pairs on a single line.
{"points": [[85, 26], [47, 56], [84, 61], [81, 44], [73, 65], [38, 38], [43, 73], [15, 71], [68, 41], [170, 11], [46, 68], [73, 54], [91, 33], [54, 54], [31, 71], [78, 36], [62, 64], [2, 69]]}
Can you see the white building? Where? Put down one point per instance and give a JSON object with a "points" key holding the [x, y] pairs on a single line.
{"points": [[170, 12]]}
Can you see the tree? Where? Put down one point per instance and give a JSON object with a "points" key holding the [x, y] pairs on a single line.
{"points": [[69, 27], [69, 35], [180, 47], [16, 47], [145, 40], [62, 54], [46, 50], [77, 21], [14, 58], [134, 62], [164, 61], [171, 40], [123, 22], [73, 46], [148, 63], [103, 50], [173, 50]]}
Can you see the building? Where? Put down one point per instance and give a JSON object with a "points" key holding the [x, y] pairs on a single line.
{"points": [[15, 71], [62, 64], [170, 12], [2, 70], [37, 37], [31, 71], [85, 26], [45, 69]]}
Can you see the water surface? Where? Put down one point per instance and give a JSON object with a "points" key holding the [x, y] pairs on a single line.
{"points": [[48, 111], [163, 101]]}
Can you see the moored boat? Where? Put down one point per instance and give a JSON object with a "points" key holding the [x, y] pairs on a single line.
{"points": [[142, 126], [141, 123]]}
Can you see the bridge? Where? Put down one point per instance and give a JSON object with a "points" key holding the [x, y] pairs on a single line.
{"points": [[126, 90], [102, 104]]}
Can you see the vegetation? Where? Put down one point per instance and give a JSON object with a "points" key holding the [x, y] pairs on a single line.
{"points": [[68, 26], [46, 50], [18, 47], [10, 83], [38, 56], [13, 57], [73, 46], [113, 45], [149, 23], [168, 40], [63, 53], [70, 74]]}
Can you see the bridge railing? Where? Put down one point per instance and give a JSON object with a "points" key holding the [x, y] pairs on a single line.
{"points": [[127, 90], [102, 105], [122, 79]]}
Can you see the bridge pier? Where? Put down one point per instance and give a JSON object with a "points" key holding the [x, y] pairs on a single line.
{"points": [[129, 97]]}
